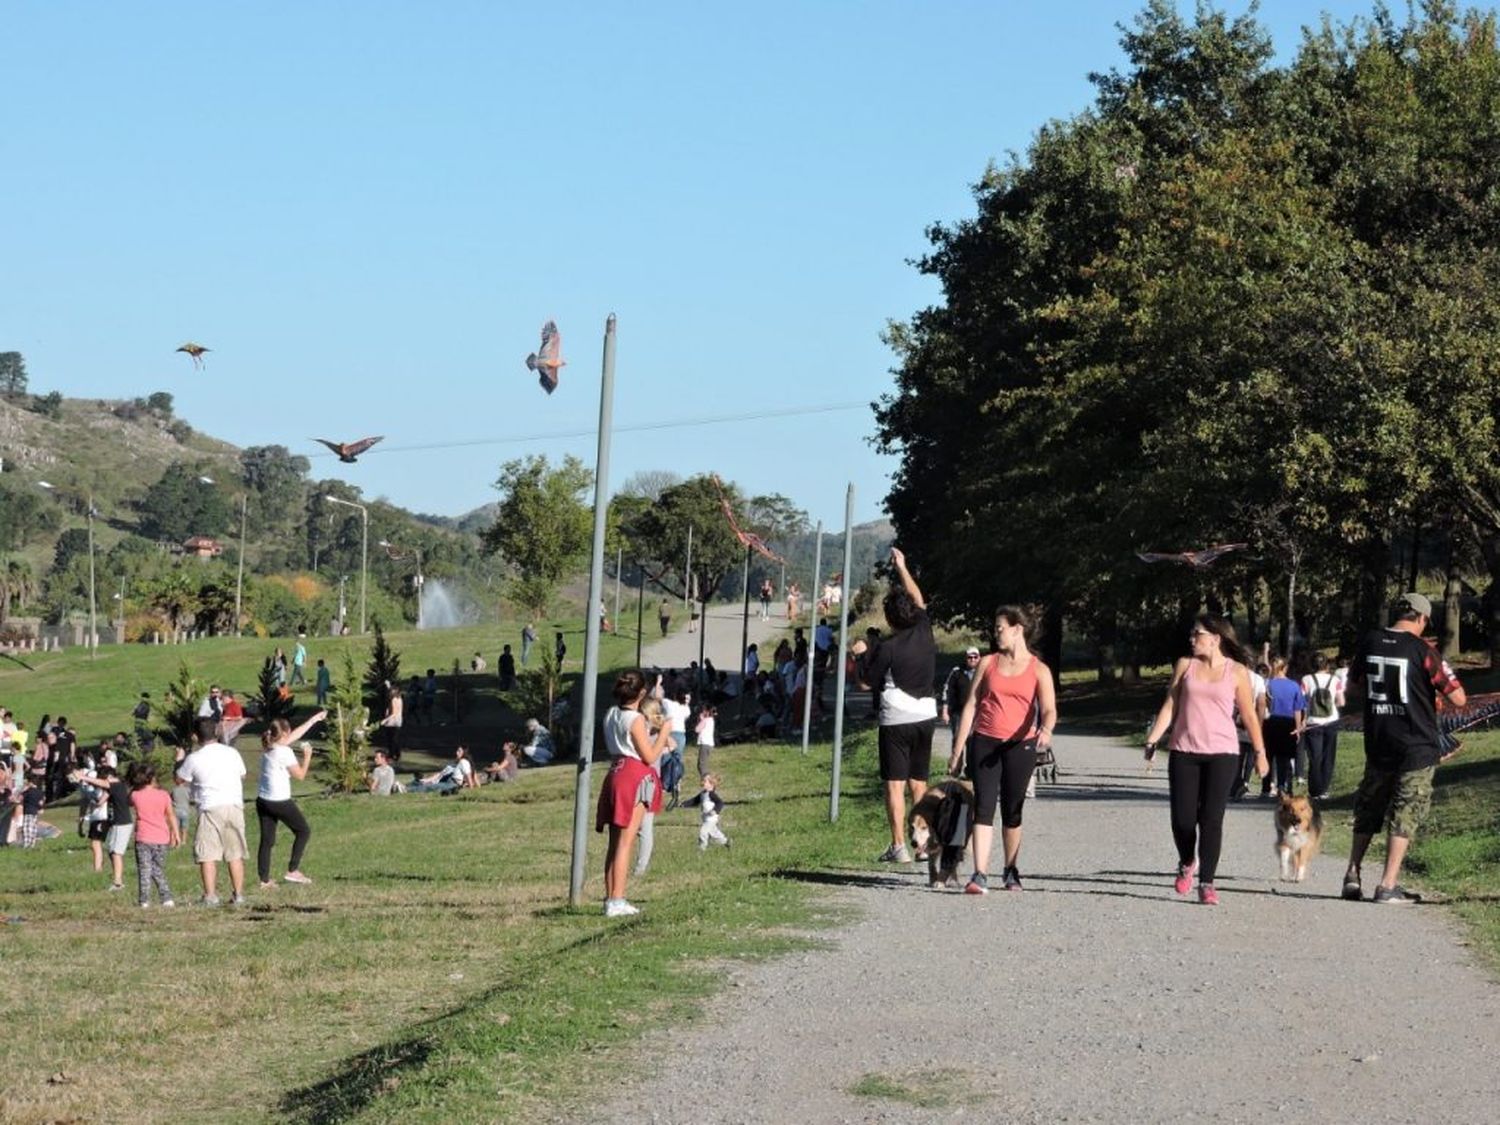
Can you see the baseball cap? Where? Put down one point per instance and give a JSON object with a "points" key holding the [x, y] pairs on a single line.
{"points": [[971, 651], [1414, 603]]}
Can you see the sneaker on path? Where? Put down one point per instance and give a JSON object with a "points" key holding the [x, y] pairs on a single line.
{"points": [[978, 884], [1207, 895], [1396, 896], [1012, 879], [896, 853], [1352, 891], [1184, 881]]}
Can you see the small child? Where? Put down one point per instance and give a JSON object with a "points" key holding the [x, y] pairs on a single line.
{"points": [[710, 805], [31, 813], [651, 710], [155, 831], [706, 718]]}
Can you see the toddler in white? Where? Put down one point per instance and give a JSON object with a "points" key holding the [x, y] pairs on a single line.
{"points": [[710, 805]]}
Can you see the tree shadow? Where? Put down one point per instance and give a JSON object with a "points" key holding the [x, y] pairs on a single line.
{"points": [[844, 878]]}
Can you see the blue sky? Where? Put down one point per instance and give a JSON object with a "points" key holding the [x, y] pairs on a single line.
{"points": [[367, 210]]}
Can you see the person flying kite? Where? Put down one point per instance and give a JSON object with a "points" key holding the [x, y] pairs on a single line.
{"points": [[547, 361]]}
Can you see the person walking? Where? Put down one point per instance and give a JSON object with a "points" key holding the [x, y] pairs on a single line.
{"points": [[559, 650], [299, 661], [1320, 733], [767, 592], [324, 683], [630, 789], [903, 667], [279, 767], [664, 616], [956, 691], [1197, 718], [390, 723], [1011, 714], [1400, 675], [1286, 711], [528, 638]]}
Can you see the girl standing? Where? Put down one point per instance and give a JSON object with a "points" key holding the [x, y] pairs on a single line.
{"points": [[155, 831], [630, 789], [1320, 734], [1011, 712], [1207, 688], [273, 799]]}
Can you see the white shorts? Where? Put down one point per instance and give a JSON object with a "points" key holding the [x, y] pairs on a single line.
{"points": [[119, 838]]}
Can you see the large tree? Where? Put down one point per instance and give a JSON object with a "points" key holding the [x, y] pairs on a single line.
{"points": [[543, 526], [12, 374], [181, 503]]}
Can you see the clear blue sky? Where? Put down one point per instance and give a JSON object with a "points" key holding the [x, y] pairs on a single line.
{"points": [[368, 209]]}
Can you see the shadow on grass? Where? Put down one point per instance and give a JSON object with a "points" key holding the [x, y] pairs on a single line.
{"points": [[846, 878]]}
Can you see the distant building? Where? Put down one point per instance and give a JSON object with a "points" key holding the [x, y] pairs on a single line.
{"points": [[202, 546]]}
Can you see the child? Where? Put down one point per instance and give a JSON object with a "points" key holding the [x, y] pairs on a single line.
{"points": [[651, 710], [155, 831], [121, 825], [710, 805], [31, 813], [706, 718]]}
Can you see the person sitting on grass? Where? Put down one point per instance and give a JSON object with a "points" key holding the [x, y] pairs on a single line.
{"points": [[457, 774], [539, 749], [382, 777], [507, 767]]}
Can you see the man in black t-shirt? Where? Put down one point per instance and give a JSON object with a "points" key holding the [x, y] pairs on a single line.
{"points": [[902, 667], [1401, 676]]}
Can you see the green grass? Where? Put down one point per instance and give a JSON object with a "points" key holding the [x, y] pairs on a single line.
{"points": [[433, 971], [924, 1089]]}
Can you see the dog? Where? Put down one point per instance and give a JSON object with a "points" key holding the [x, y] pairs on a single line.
{"points": [[939, 827], [1299, 831]]}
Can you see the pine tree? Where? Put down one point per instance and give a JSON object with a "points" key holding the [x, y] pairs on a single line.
{"points": [[383, 673]]}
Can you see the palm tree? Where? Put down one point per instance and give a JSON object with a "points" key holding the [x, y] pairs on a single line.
{"points": [[17, 583]]}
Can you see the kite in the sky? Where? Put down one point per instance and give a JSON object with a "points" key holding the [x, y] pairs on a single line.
{"points": [[195, 352], [349, 451], [746, 538], [547, 361], [1195, 559]]}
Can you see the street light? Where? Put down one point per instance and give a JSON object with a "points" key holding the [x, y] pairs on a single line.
{"points": [[93, 614], [364, 554], [239, 576], [390, 548]]}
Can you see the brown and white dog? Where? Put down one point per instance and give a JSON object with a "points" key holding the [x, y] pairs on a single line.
{"points": [[939, 825], [1299, 831]]}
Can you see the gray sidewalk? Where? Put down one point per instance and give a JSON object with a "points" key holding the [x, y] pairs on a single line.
{"points": [[721, 638], [1097, 994]]}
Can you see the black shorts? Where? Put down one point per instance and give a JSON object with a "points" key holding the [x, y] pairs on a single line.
{"points": [[906, 751], [98, 829]]}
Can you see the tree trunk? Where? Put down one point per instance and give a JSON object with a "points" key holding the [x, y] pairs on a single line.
{"points": [[1490, 547], [1372, 588], [1452, 605], [1105, 637], [1289, 623]]}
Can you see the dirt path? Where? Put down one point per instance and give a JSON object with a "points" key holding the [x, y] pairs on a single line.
{"points": [[1098, 995]]}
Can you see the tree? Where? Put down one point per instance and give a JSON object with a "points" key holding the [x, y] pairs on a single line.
{"points": [[26, 514], [12, 375], [18, 586], [273, 704], [180, 705], [343, 766], [181, 504], [48, 405], [658, 534], [275, 478], [543, 527], [71, 544], [160, 402], [382, 673], [649, 484]]}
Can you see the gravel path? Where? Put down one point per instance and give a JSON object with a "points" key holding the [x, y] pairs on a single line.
{"points": [[1096, 994]]}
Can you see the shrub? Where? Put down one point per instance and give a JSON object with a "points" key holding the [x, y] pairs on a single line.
{"points": [[343, 766], [180, 706]]}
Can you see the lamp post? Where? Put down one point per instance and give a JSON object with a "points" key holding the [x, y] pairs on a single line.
{"points": [[93, 612], [417, 580], [239, 576], [364, 553]]}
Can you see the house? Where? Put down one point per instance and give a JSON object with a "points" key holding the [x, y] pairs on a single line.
{"points": [[202, 546]]}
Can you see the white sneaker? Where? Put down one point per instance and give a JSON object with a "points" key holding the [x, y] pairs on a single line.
{"points": [[619, 908]]}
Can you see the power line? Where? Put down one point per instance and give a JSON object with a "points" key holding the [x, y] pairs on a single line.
{"points": [[711, 420]]}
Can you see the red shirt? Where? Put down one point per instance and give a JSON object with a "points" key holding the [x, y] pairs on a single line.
{"points": [[1007, 707], [153, 814]]}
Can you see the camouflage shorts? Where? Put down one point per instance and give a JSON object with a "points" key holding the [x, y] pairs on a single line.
{"points": [[1398, 801]]}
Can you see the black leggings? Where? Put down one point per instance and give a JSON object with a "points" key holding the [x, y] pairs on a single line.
{"points": [[287, 812], [1200, 790], [1001, 770]]}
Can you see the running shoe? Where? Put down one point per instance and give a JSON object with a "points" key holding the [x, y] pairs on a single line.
{"points": [[979, 884], [268, 885], [117, 886], [896, 853], [1395, 896], [1352, 891], [296, 877], [209, 900], [619, 908], [1184, 881], [1012, 879], [168, 904], [237, 901], [1207, 895]]}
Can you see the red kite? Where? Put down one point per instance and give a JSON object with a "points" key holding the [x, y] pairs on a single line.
{"points": [[1195, 559], [547, 361], [195, 352], [746, 538], [349, 451]]}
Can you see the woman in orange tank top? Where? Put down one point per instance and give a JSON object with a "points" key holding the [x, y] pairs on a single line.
{"points": [[1011, 712]]}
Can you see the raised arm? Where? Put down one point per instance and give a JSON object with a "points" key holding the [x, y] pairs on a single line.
{"points": [[898, 560]]}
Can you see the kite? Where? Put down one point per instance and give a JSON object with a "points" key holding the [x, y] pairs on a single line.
{"points": [[547, 361], [1195, 559], [349, 451], [746, 538], [195, 352]]}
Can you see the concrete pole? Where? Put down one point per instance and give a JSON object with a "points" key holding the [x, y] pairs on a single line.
{"points": [[93, 611], [582, 805], [619, 565], [239, 578], [838, 695]]}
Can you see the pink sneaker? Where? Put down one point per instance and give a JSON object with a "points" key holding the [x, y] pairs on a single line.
{"points": [[1184, 881], [1207, 895], [296, 877]]}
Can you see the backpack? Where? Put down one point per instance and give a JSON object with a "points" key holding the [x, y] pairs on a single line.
{"points": [[1320, 703], [671, 771]]}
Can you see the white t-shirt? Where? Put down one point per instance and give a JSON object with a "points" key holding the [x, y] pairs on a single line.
{"points": [[1330, 680], [217, 774], [275, 781], [617, 724], [678, 713], [706, 731]]}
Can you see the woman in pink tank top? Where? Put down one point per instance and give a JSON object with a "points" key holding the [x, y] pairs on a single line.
{"points": [[1207, 688]]}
